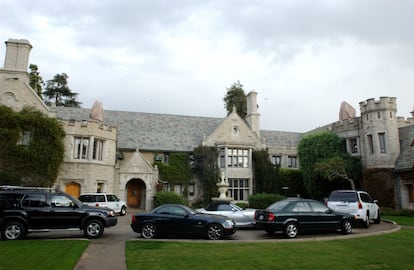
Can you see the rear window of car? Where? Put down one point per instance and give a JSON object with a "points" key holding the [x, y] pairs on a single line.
{"points": [[343, 197], [278, 205]]}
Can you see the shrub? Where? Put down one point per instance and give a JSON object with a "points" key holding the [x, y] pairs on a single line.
{"points": [[242, 205], [263, 200], [167, 197], [386, 211]]}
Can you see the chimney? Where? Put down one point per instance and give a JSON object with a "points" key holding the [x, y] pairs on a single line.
{"points": [[17, 54], [253, 117]]}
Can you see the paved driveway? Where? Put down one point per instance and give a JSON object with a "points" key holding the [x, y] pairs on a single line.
{"points": [[123, 232]]}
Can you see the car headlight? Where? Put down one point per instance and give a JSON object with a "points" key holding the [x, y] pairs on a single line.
{"points": [[111, 213], [229, 224]]}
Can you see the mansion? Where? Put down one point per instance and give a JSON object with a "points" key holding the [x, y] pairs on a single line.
{"points": [[114, 151]]}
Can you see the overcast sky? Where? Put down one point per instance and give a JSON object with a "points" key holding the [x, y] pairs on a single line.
{"points": [[178, 57]]}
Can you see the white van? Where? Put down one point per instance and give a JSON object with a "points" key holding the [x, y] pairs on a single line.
{"points": [[104, 200]]}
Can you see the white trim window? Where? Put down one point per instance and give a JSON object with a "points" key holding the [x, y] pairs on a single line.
{"points": [[239, 189], [81, 148], [237, 158], [292, 162], [97, 149]]}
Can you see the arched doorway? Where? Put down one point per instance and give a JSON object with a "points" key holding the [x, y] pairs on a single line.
{"points": [[73, 189], [136, 191]]}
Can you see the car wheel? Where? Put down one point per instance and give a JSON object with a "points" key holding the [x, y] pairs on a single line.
{"points": [[215, 232], [367, 221], [291, 230], [93, 229], [13, 230], [378, 219], [123, 211], [346, 226], [149, 231]]}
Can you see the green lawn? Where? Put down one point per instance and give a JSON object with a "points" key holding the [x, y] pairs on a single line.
{"points": [[41, 254], [389, 251], [401, 220]]}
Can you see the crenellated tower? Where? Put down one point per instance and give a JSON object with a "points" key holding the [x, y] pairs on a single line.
{"points": [[379, 133]]}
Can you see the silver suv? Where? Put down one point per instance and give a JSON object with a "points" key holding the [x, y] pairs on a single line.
{"points": [[104, 200], [355, 202]]}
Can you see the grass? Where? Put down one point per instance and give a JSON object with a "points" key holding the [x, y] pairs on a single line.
{"points": [[388, 251], [401, 220], [41, 254]]}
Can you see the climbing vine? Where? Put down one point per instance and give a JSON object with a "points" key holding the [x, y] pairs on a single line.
{"points": [[177, 170], [31, 147]]}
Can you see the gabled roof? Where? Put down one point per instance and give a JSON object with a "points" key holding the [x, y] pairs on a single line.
{"points": [[406, 159], [166, 132]]}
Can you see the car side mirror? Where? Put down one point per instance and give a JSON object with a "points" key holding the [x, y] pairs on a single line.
{"points": [[328, 211]]}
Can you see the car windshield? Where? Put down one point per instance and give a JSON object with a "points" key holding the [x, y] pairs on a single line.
{"points": [[278, 205]]}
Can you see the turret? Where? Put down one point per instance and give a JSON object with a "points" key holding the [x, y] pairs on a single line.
{"points": [[379, 132]]}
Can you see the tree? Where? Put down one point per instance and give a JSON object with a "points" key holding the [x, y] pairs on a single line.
{"points": [[31, 147], [265, 173], [36, 81], [323, 157], [236, 97], [206, 169], [332, 169], [57, 90]]}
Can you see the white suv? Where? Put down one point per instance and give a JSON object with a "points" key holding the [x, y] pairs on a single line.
{"points": [[355, 202], [104, 200]]}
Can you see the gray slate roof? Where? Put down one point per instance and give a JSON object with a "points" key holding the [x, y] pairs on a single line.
{"points": [[166, 132], [406, 159]]}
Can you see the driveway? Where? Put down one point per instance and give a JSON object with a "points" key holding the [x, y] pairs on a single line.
{"points": [[108, 252]]}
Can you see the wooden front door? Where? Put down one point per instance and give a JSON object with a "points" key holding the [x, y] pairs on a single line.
{"points": [[134, 194], [73, 189]]}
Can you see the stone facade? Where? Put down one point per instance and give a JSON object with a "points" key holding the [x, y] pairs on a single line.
{"points": [[116, 153]]}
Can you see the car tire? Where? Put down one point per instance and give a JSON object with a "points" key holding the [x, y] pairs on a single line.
{"points": [[149, 231], [367, 222], [93, 229], [215, 232], [291, 230], [123, 211], [13, 230], [346, 226], [378, 219]]}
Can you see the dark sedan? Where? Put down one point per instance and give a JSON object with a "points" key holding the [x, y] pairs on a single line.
{"points": [[176, 219], [292, 216]]}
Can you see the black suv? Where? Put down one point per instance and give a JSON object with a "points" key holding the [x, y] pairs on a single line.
{"points": [[29, 209]]}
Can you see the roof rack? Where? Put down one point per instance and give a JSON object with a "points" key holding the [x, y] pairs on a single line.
{"points": [[27, 188]]}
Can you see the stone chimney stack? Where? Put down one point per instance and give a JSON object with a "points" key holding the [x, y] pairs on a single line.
{"points": [[253, 117], [17, 54]]}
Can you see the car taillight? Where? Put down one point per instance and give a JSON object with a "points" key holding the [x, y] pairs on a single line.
{"points": [[270, 217], [97, 205], [359, 205], [133, 218]]}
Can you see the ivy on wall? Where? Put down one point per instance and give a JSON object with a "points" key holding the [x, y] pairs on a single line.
{"points": [[31, 147], [177, 171]]}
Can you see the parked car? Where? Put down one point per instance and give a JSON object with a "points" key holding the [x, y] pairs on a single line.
{"points": [[242, 217], [292, 216], [179, 219], [356, 202], [29, 209], [104, 200]]}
